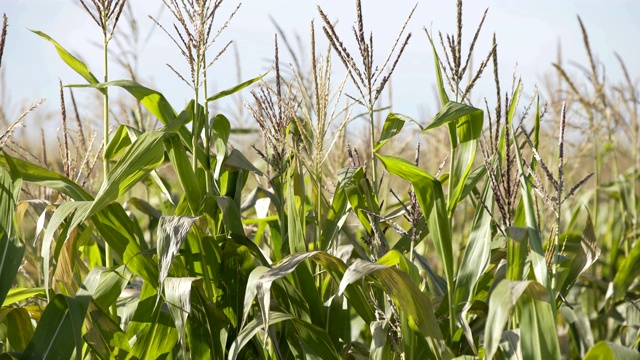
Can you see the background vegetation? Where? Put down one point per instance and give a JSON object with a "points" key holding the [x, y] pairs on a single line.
{"points": [[173, 238]]}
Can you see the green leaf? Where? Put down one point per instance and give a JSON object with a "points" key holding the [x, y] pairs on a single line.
{"points": [[18, 321], [237, 160], [235, 89], [102, 334], [182, 167], [413, 302], [153, 328], [59, 329], [517, 249], [221, 131], [207, 327], [261, 278], [392, 126], [430, 197], [260, 281], [467, 119], [336, 217], [119, 231], [177, 294], [605, 350], [315, 341], [582, 256], [152, 100], [537, 325], [76, 212], [627, 273], [73, 62], [475, 260], [16, 295], [40, 176], [12, 250], [120, 140], [295, 199], [106, 285], [144, 155]]}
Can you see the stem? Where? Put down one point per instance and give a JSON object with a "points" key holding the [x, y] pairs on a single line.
{"points": [[207, 133], [196, 119], [105, 161], [374, 163]]}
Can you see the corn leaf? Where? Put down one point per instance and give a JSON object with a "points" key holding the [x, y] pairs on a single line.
{"points": [[17, 294], [73, 62], [627, 273], [413, 302], [119, 231], [35, 174], [235, 89], [172, 232], [315, 341], [153, 327], [221, 131], [21, 331], [152, 100], [102, 334], [607, 350], [11, 248], [392, 126], [59, 329], [474, 261], [144, 155], [430, 197], [537, 325]]}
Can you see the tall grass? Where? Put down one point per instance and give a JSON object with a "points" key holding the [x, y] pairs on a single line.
{"points": [[187, 249]]}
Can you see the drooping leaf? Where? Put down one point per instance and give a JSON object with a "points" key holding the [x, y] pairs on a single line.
{"points": [[413, 302], [74, 212], [152, 100], [73, 62], [237, 160], [468, 120], [172, 232], [35, 174], [177, 294]]}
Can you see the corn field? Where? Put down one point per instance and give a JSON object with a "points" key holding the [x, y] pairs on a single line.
{"points": [[332, 226]]}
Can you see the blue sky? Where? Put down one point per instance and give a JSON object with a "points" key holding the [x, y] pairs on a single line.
{"points": [[528, 34]]}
